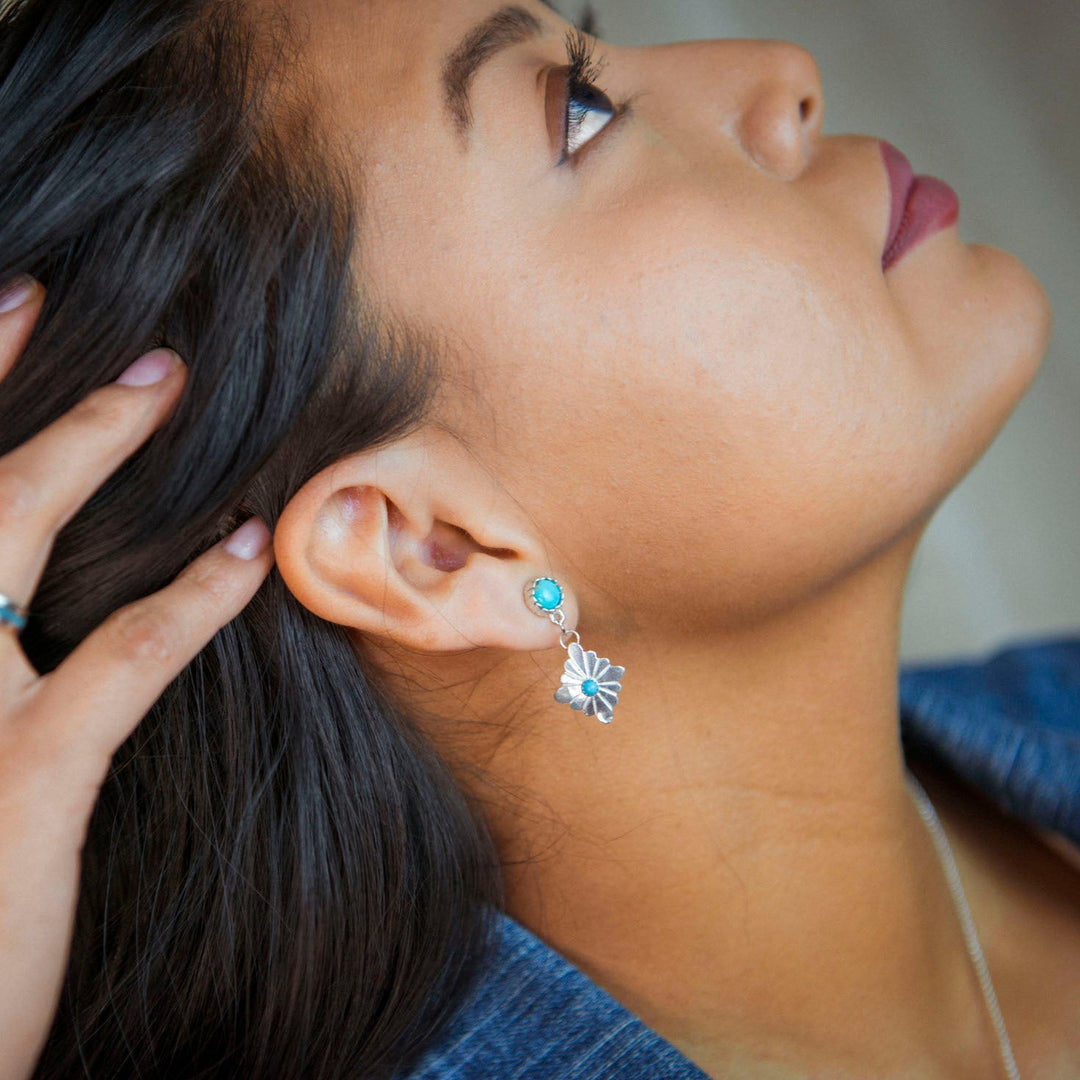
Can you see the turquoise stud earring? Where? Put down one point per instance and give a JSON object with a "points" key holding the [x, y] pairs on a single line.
{"points": [[590, 683]]}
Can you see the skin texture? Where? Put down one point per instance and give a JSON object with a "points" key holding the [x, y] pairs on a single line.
{"points": [[677, 380]]}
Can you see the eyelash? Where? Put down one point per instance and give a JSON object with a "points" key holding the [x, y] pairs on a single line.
{"points": [[581, 76]]}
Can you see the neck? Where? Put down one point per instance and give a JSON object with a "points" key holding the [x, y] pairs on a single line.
{"points": [[736, 857]]}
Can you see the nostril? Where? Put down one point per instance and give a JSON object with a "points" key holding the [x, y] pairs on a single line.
{"points": [[806, 107]]}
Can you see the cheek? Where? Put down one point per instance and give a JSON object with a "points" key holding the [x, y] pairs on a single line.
{"points": [[728, 417], [742, 416]]}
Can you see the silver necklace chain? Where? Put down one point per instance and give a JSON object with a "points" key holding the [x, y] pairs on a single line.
{"points": [[941, 842]]}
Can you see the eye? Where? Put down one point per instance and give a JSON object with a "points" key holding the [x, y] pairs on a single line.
{"points": [[582, 109], [588, 111]]}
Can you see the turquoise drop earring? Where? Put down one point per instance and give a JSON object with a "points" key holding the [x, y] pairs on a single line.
{"points": [[590, 683]]}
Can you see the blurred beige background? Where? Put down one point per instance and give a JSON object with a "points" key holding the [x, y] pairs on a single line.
{"points": [[985, 94]]}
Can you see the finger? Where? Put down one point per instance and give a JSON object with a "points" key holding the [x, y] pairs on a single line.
{"points": [[20, 305], [98, 695], [44, 481]]}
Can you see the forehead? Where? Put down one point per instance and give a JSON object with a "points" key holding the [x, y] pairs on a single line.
{"points": [[377, 64], [375, 67], [373, 60]]}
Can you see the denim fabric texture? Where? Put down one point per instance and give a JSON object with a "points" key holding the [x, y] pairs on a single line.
{"points": [[1008, 724]]}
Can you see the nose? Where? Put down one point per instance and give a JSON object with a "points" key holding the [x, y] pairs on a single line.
{"points": [[783, 110]]}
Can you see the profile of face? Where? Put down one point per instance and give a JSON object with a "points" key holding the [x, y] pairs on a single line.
{"points": [[673, 374], [668, 339]]}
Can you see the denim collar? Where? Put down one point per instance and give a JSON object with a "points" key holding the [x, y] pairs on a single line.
{"points": [[1009, 725]]}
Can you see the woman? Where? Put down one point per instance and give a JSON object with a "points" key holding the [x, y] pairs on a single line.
{"points": [[465, 301]]}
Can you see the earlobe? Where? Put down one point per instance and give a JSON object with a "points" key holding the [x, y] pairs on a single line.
{"points": [[414, 545]]}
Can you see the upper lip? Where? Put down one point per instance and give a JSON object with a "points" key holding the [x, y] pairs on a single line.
{"points": [[901, 178]]}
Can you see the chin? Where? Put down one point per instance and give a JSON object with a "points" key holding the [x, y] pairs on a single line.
{"points": [[1025, 319], [1016, 336], [982, 320], [993, 322]]}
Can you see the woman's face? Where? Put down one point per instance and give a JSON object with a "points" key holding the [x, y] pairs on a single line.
{"points": [[677, 349]]}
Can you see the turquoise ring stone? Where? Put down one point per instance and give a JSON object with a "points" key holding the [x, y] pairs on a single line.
{"points": [[11, 615]]}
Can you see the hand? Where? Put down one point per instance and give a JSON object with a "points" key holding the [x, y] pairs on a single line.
{"points": [[58, 732]]}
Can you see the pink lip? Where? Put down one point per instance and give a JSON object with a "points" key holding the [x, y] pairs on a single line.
{"points": [[919, 206]]}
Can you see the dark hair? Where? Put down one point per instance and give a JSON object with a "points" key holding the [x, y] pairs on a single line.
{"points": [[280, 878]]}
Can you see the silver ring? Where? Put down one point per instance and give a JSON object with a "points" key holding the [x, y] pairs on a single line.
{"points": [[11, 614]]}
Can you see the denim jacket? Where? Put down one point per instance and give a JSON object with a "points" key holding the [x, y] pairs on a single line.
{"points": [[1009, 725]]}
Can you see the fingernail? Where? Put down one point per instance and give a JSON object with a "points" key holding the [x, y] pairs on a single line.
{"points": [[249, 541], [16, 292], [150, 369]]}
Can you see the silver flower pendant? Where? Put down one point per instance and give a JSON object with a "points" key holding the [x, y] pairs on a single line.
{"points": [[590, 683]]}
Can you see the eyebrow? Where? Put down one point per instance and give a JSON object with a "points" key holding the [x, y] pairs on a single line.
{"points": [[508, 26]]}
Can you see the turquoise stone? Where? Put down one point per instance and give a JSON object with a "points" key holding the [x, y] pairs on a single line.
{"points": [[590, 687], [547, 593]]}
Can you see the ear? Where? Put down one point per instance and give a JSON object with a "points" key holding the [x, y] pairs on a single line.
{"points": [[415, 542]]}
